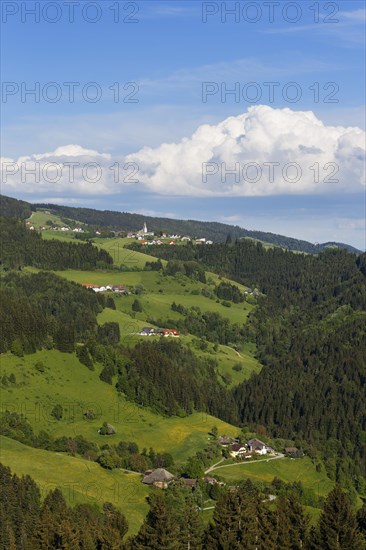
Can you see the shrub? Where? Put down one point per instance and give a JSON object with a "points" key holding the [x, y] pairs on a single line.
{"points": [[238, 367], [57, 412]]}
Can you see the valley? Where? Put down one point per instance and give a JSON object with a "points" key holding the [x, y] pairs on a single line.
{"points": [[95, 397]]}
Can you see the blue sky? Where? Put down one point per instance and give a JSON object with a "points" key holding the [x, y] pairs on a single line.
{"points": [[167, 55]]}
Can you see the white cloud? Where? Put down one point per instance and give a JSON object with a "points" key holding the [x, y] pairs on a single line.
{"points": [[358, 16], [309, 157], [72, 151], [272, 151]]}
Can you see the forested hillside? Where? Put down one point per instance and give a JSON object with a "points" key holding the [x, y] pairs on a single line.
{"points": [[310, 334], [304, 319], [43, 310], [13, 208], [125, 221], [20, 247]]}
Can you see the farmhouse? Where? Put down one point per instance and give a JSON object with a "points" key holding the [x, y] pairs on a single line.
{"points": [[224, 440], [293, 452], [149, 331], [257, 446], [190, 483], [119, 289], [146, 331], [159, 478], [237, 449], [171, 332]]}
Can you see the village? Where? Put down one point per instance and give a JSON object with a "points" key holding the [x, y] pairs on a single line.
{"points": [[118, 289], [144, 236]]}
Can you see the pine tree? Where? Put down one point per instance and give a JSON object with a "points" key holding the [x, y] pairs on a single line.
{"points": [[266, 537], [337, 528], [115, 519], [46, 530], [159, 530], [68, 535], [291, 523], [136, 305], [223, 533], [191, 527]]}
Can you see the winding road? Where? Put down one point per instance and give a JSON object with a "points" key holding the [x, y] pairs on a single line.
{"points": [[216, 466]]}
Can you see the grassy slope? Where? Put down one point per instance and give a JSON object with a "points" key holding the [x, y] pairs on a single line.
{"points": [[80, 480], [122, 255], [77, 389], [157, 305], [287, 469]]}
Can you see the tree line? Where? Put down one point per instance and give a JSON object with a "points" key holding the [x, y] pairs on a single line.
{"points": [[242, 519], [28, 523], [42, 310], [21, 247]]}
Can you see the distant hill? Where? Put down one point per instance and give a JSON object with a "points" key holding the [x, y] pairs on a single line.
{"points": [[13, 208], [125, 221]]}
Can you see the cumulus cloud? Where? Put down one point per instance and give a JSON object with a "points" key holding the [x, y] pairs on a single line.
{"points": [[262, 152]]}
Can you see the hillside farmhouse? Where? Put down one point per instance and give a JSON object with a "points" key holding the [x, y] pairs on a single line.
{"points": [[159, 478]]}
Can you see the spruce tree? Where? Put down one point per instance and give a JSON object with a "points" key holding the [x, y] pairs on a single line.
{"points": [[191, 527], [291, 523], [337, 528], [113, 518], [223, 533], [159, 530]]}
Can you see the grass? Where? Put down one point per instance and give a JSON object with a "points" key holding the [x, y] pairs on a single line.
{"points": [[80, 480], [226, 356], [40, 217], [157, 305], [287, 469], [70, 384], [160, 292], [50, 235], [124, 256]]}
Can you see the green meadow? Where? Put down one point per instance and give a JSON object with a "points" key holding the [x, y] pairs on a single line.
{"points": [[287, 469], [124, 256], [80, 480], [159, 292], [69, 383]]}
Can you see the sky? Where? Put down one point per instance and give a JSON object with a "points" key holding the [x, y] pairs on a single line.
{"points": [[246, 112]]}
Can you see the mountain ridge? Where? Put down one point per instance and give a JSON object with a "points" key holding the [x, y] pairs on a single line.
{"points": [[125, 221]]}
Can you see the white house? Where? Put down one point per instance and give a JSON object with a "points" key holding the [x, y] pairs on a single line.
{"points": [[257, 446], [238, 450]]}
